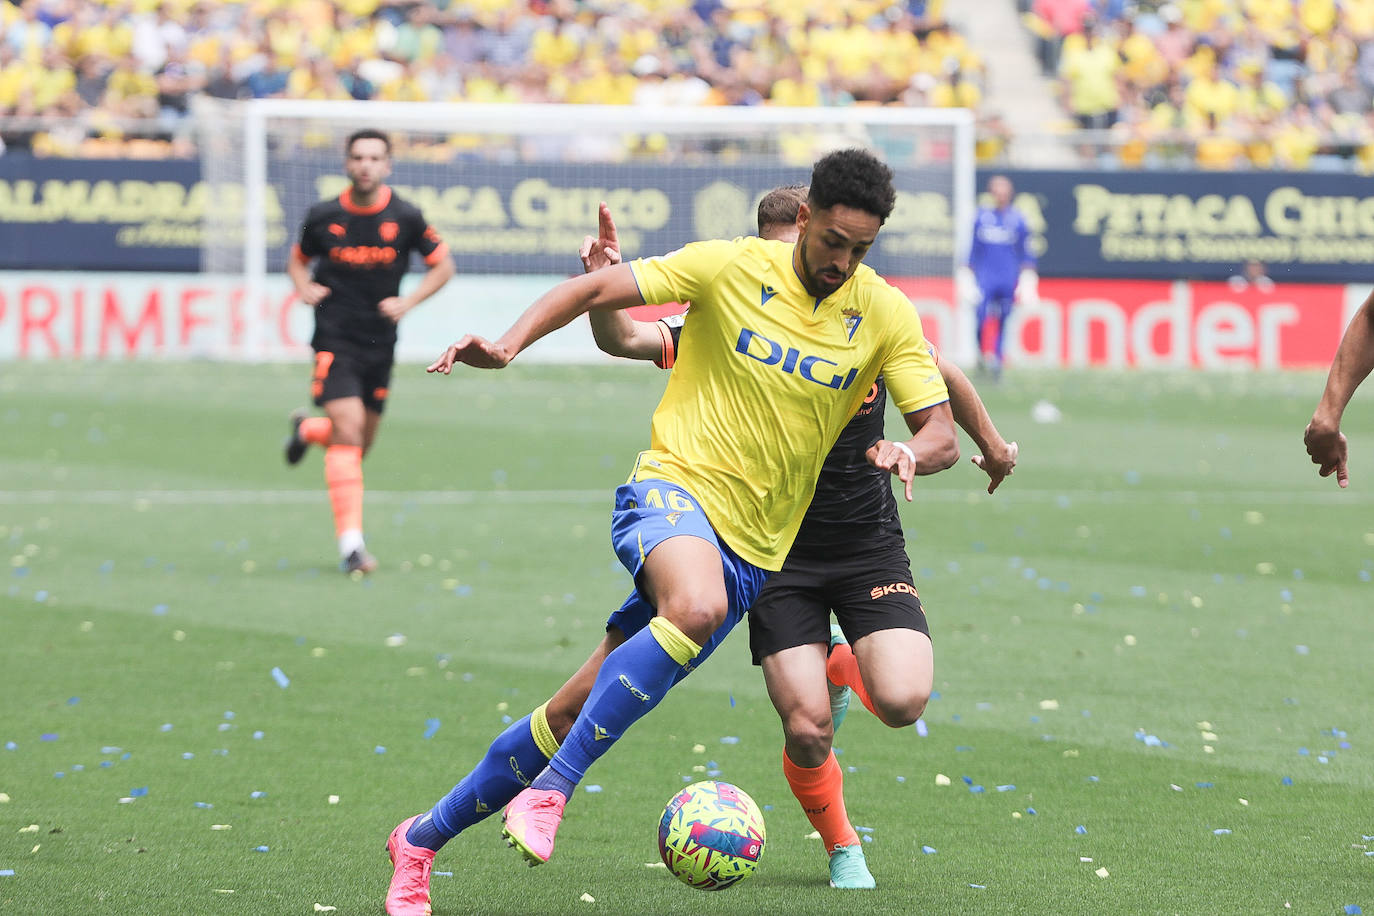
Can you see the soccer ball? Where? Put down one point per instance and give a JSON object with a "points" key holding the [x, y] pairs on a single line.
{"points": [[711, 835]]}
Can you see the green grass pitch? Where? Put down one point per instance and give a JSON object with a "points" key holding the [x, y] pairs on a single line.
{"points": [[1158, 631]]}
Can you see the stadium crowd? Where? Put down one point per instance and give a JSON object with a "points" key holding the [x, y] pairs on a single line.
{"points": [[125, 71], [1220, 84]]}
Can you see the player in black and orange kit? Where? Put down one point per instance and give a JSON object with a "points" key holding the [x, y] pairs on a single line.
{"points": [[361, 243]]}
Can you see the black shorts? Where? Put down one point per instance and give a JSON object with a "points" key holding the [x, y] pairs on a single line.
{"points": [[350, 372], [868, 591]]}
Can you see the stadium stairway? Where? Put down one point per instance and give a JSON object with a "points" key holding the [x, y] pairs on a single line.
{"points": [[1015, 89]]}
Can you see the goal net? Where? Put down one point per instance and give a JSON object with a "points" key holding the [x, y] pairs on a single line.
{"points": [[514, 188]]}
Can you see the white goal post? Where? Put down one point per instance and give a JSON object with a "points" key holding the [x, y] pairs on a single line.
{"points": [[513, 188]]}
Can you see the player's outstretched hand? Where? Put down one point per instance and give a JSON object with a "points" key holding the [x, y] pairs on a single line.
{"points": [[474, 351], [997, 463], [604, 250], [1327, 446], [896, 458]]}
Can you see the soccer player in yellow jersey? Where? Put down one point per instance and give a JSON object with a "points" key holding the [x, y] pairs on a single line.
{"points": [[782, 346]]}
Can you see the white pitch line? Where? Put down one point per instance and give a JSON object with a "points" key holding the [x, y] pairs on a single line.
{"points": [[1009, 492]]}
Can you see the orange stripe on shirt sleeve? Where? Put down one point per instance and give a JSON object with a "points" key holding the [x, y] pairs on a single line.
{"points": [[437, 255], [669, 352]]}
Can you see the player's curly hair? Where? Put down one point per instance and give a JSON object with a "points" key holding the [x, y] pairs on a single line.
{"points": [[855, 178]]}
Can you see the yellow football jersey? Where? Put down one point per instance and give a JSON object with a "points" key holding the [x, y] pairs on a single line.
{"points": [[766, 379]]}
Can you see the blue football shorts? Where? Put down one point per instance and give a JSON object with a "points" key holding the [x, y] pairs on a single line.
{"points": [[649, 512]]}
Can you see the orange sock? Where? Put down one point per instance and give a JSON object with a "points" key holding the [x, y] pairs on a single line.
{"points": [[821, 793], [843, 668], [316, 430], [343, 472]]}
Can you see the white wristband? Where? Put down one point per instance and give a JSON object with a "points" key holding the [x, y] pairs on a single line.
{"points": [[909, 453]]}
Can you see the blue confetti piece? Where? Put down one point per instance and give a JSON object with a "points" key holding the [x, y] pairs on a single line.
{"points": [[1302, 650], [1138, 591], [979, 887], [379, 749], [729, 739], [187, 756], [442, 874], [139, 792], [260, 848], [159, 610], [929, 850], [228, 714], [165, 727], [6, 873], [1007, 788], [768, 807], [257, 794], [431, 728], [280, 677], [713, 772], [963, 748], [732, 701], [1092, 779], [78, 768], [1353, 909], [866, 839], [221, 752], [58, 775], [1303, 752], [1080, 829], [934, 695], [1285, 595], [922, 730], [1221, 831], [107, 566], [11, 746], [72, 701], [110, 749], [106, 764], [968, 781], [48, 736], [863, 829], [202, 805], [976, 790], [1032, 811], [506, 720], [224, 726], [1203, 785], [1286, 781], [257, 736]]}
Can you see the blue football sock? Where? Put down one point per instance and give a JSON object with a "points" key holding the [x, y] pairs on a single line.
{"points": [[631, 682], [515, 757]]}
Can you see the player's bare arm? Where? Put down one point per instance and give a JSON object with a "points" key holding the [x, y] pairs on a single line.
{"points": [[1354, 361], [932, 448], [611, 288], [439, 273], [998, 456], [615, 332], [309, 292]]}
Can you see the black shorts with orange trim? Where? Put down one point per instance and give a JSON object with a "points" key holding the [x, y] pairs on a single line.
{"points": [[867, 589], [348, 372]]}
